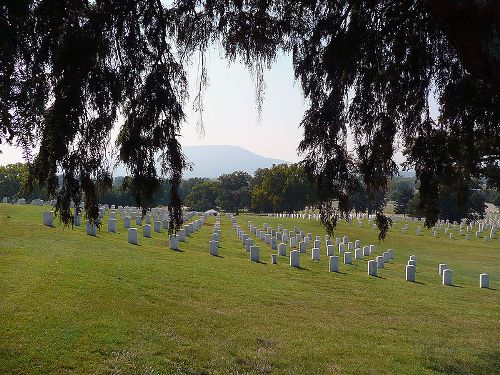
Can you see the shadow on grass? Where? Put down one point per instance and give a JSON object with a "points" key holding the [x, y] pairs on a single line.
{"points": [[217, 256], [178, 250], [259, 262]]}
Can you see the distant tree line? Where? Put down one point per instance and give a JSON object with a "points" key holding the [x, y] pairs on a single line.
{"points": [[281, 188]]}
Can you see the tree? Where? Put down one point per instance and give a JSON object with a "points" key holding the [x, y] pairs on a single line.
{"points": [[203, 196], [402, 194], [367, 68], [12, 177], [282, 188], [234, 191], [14, 181]]}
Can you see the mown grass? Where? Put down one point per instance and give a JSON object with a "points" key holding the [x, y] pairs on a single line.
{"points": [[70, 303]]}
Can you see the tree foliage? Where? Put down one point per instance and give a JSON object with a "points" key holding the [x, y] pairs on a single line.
{"points": [[367, 68], [282, 188], [235, 192], [14, 183], [203, 196], [403, 192]]}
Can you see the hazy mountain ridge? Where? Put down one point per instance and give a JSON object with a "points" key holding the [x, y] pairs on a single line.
{"points": [[214, 160]]}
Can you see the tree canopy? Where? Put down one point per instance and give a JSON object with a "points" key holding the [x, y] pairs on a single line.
{"points": [[367, 69]]}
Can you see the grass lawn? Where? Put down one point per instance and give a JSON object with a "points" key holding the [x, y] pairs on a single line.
{"points": [[74, 304]]}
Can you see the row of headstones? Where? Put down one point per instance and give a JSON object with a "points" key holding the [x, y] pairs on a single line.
{"points": [[215, 237], [34, 202], [441, 223], [133, 213], [181, 234], [174, 239], [447, 274], [91, 229], [295, 216], [450, 234], [444, 271]]}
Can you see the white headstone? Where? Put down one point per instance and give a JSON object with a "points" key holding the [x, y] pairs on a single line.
{"points": [[294, 258], [282, 249], [146, 231], [214, 248], [302, 247], [372, 267], [358, 253], [366, 251], [274, 259], [315, 253], [447, 277], [126, 222], [254, 254], [410, 273], [132, 236], [330, 250], [112, 225], [48, 218], [333, 263], [173, 242], [380, 261], [484, 280], [347, 257]]}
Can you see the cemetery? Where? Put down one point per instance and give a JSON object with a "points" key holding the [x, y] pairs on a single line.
{"points": [[245, 293]]}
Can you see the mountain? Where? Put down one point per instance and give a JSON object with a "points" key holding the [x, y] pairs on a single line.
{"points": [[215, 160], [212, 161]]}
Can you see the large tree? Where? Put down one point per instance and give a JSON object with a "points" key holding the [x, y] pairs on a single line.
{"points": [[367, 68], [235, 192]]}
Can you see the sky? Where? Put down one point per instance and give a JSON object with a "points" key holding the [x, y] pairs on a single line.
{"points": [[230, 114]]}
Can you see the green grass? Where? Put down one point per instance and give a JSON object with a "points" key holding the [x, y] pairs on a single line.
{"points": [[74, 304]]}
